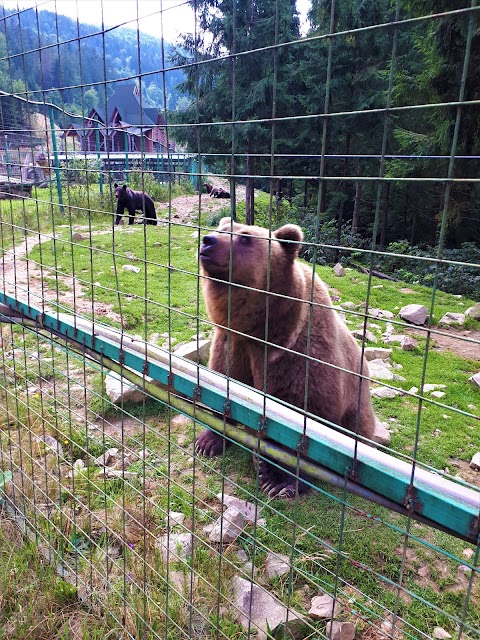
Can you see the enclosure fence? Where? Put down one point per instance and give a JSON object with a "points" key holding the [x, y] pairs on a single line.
{"points": [[361, 130]]}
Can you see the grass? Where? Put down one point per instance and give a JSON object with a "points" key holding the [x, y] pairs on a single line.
{"points": [[106, 530]]}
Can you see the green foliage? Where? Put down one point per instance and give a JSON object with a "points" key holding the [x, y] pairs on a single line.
{"points": [[81, 171], [144, 181]]}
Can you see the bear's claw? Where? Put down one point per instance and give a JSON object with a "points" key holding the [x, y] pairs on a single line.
{"points": [[209, 444]]}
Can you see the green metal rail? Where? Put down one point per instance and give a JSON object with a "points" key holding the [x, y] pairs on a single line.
{"points": [[423, 495]]}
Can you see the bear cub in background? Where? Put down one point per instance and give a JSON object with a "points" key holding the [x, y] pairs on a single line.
{"points": [[134, 201], [333, 391]]}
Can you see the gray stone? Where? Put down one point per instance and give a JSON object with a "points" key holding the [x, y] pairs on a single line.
{"points": [[196, 350], [475, 462], [338, 270], [276, 565], [106, 458], [452, 318], [383, 392], [174, 518], [77, 237], [369, 336], [255, 608], [474, 312], [324, 607], [248, 509], [414, 313], [437, 394], [475, 379], [336, 630], [408, 344], [176, 546], [440, 634], [380, 370], [389, 337], [228, 526], [349, 306], [182, 581], [119, 389], [52, 443], [377, 353], [380, 313], [428, 388], [381, 435], [130, 267]]}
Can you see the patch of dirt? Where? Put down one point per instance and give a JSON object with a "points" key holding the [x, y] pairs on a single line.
{"points": [[452, 340], [464, 471]]}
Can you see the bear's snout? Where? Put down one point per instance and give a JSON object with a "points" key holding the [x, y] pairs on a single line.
{"points": [[208, 241]]}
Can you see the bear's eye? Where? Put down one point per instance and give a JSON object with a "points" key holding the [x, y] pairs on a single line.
{"points": [[245, 238]]}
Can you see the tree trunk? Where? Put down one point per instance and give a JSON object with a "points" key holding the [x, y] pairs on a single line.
{"points": [[356, 207], [249, 192], [386, 203], [414, 228], [341, 210]]}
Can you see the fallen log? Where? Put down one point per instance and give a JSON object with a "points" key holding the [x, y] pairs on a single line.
{"points": [[377, 274]]}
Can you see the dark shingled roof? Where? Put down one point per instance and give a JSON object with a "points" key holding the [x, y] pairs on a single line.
{"points": [[128, 105]]}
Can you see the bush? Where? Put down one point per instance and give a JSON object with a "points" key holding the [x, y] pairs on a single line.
{"points": [[145, 181], [81, 171]]}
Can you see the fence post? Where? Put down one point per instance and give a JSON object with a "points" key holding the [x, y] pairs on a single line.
{"points": [[55, 161], [127, 168], [97, 145], [7, 157]]}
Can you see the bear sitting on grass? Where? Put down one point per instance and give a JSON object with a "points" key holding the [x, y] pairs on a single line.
{"points": [[134, 201], [333, 391]]}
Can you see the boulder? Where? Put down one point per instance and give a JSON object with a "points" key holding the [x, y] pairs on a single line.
{"points": [[120, 390], [452, 318], [176, 546], [338, 270], [414, 313], [196, 350], [383, 392], [474, 312], [131, 268], [440, 634], [336, 630], [324, 607], [377, 353], [475, 462], [408, 344], [369, 336], [255, 609], [249, 510], [276, 565], [475, 379], [381, 434], [228, 526], [380, 313]]}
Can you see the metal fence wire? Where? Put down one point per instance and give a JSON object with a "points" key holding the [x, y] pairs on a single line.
{"points": [[351, 141]]}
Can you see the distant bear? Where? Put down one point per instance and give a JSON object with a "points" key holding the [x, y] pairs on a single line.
{"points": [[333, 393], [134, 201], [218, 192], [207, 187]]}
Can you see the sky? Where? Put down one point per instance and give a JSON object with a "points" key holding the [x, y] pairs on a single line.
{"points": [[177, 16]]}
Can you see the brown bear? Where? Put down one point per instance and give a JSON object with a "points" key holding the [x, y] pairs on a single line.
{"points": [[264, 272]]}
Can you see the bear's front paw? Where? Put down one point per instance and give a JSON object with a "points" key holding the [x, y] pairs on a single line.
{"points": [[209, 444]]}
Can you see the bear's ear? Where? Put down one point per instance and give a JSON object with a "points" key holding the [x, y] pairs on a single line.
{"points": [[115, 185], [226, 224], [291, 235], [125, 187]]}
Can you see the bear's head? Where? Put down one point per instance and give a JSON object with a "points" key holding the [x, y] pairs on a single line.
{"points": [[121, 193], [253, 253]]}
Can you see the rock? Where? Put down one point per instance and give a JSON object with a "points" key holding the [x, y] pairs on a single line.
{"points": [[369, 336], [469, 553], [180, 420], [338, 270], [414, 313], [348, 306], [106, 458], [174, 518], [380, 370], [77, 468], [175, 546], [452, 318], [336, 630], [475, 462], [377, 353], [383, 392], [255, 608], [380, 313], [408, 344], [242, 555], [276, 565], [52, 443], [441, 634], [182, 582], [428, 388], [121, 390], [77, 237], [228, 526], [324, 607], [381, 435], [389, 337], [196, 350], [474, 312], [248, 509], [130, 267], [437, 394], [475, 379]]}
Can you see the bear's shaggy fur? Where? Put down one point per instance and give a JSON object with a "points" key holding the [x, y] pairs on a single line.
{"points": [[219, 192], [134, 201], [333, 391]]}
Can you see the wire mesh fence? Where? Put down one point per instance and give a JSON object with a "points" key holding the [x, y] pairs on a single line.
{"points": [[305, 286]]}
